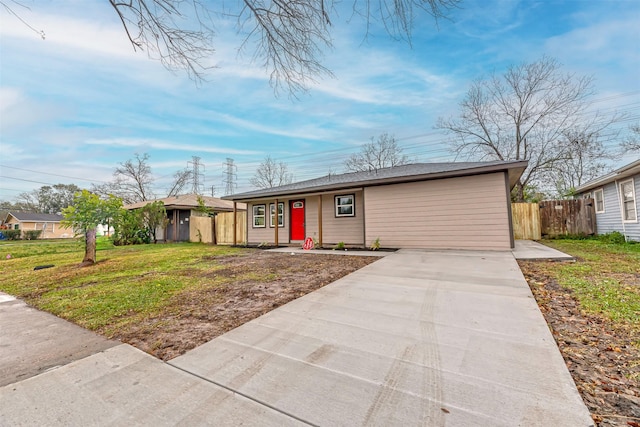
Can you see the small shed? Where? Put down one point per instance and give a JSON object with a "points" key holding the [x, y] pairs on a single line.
{"points": [[422, 205], [49, 224], [615, 196]]}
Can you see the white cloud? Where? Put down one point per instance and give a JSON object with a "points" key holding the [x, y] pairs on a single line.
{"points": [[155, 144]]}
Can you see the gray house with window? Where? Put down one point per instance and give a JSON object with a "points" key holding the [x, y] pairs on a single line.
{"points": [[422, 205], [616, 202]]}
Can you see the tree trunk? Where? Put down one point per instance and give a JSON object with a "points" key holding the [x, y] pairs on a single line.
{"points": [[89, 247], [519, 195]]}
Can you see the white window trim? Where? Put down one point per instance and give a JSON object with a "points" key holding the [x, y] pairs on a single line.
{"points": [[264, 216], [635, 200], [353, 205], [595, 200], [280, 215]]}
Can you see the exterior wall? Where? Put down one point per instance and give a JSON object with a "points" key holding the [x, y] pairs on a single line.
{"points": [[51, 230], [258, 235], [349, 230], [611, 219], [469, 212]]}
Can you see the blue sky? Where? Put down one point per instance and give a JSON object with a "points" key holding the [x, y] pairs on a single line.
{"points": [[76, 104]]}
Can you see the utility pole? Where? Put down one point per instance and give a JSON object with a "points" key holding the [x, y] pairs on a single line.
{"points": [[198, 178], [229, 177]]}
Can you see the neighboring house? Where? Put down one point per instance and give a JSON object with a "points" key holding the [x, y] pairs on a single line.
{"points": [[424, 205], [616, 202], [179, 211], [48, 223]]}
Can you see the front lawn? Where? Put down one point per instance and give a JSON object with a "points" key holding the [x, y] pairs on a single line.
{"points": [[166, 298], [592, 307]]}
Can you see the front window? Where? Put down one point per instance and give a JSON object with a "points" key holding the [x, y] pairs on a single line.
{"points": [[628, 201], [259, 216], [598, 197], [272, 211], [345, 205]]}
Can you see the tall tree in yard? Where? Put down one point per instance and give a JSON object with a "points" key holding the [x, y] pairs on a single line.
{"points": [[271, 174], [86, 213], [524, 114], [381, 153]]}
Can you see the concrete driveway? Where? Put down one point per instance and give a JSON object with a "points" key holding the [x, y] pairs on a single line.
{"points": [[417, 338]]}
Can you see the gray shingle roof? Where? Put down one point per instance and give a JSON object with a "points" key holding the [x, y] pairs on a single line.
{"points": [[36, 217], [404, 173]]}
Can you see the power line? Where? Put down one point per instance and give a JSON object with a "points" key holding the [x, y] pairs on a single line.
{"points": [[52, 174]]}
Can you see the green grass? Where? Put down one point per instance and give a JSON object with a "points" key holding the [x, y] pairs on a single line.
{"points": [[128, 283], [605, 279]]}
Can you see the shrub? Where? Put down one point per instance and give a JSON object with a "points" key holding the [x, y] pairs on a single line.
{"points": [[32, 234], [375, 245], [615, 237], [12, 234], [340, 245]]}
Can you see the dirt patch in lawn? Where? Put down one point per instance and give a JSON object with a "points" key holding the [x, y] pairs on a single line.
{"points": [[201, 314], [603, 359]]}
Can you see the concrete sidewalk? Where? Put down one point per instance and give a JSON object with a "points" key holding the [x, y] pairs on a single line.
{"points": [[417, 338]]}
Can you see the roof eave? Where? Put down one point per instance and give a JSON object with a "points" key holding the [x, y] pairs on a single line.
{"points": [[624, 172], [515, 171]]}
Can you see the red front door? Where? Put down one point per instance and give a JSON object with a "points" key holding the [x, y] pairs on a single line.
{"points": [[297, 219]]}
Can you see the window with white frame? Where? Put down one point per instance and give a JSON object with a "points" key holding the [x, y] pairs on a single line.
{"points": [[345, 205], [259, 216], [272, 214], [627, 194], [598, 197]]}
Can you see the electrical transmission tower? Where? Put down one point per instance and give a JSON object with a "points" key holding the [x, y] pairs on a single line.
{"points": [[229, 177], [198, 177]]}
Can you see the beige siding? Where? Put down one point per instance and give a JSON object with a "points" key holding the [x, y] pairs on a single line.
{"points": [[458, 213], [257, 235], [349, 230], [51, 230]]}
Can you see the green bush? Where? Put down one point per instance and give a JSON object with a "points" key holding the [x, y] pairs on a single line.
{"points": [[32, 234], [572, 237], [12, 234], [615, 237]]}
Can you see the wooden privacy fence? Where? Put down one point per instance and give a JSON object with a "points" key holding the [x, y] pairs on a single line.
{"points": [[202, 228], [224, 228], [526, 221], [558, 217], [553, 218]]}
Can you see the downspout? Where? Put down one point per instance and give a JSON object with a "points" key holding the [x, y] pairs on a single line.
{"points": [[320, 220], [512, 240], [364, 219], [235, 215], [276, 222], [620, 205]]}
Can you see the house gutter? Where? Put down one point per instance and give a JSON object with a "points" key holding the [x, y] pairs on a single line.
{"points": [[620, 206]]}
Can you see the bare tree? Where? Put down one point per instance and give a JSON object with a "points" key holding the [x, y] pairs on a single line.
{"points": [[132, 181], [524, 114], [271, 174], [584, 159], [289, 36], [632, 142], [180, 180], [383, 153]]}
